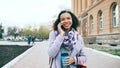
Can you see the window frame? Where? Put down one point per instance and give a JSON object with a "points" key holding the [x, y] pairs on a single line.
{"points": [[115, 15]]}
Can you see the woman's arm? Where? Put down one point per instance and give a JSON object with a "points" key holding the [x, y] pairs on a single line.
{"points": [[81, 58], [54, 44]]}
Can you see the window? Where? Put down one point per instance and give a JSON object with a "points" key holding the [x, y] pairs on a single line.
{"points": [[115, 16], [92, 23], [101, 20]]}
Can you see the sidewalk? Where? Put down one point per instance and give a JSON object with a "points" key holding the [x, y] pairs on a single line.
{"points": [[97, 59], [37, 57]]}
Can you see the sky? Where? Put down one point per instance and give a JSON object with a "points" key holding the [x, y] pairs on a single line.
{"points": [[30, 12]]}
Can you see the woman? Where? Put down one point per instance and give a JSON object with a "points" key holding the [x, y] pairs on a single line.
{"points": [[66, 46]]}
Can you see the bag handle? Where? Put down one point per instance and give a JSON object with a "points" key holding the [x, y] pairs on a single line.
{"points": [[50, 62]]}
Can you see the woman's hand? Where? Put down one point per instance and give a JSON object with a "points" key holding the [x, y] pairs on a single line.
{"points": [[60, 29], [69, 61]]}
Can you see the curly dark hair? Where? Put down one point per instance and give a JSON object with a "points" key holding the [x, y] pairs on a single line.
{"points": [[74, 20]]}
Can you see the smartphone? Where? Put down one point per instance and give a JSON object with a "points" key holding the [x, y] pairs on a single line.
{"points": [[63, 28]]}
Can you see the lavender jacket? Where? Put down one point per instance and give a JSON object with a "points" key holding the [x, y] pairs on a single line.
{"points": [[54, 50]]}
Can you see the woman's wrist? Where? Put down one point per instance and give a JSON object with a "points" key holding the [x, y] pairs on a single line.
{"points": [[62, 34]]}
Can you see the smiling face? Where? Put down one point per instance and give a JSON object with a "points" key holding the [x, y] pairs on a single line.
{"points": [[66, 21]]}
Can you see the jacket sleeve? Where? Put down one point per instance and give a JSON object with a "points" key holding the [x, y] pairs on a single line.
{"points": [[81, 57], [54, 44]]}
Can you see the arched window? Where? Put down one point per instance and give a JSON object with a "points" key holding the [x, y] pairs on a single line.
{"points": [[115, 15], [100, 19], [92, 23]]}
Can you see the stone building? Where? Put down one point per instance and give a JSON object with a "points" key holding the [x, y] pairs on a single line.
{"points": [[99, 20]]}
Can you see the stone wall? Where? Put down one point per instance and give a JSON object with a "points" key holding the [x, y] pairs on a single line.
{"points": [[108, 39], [103, 39], [89, 40]]}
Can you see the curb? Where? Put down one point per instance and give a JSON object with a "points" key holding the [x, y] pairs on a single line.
{"points": [[104, 53]]}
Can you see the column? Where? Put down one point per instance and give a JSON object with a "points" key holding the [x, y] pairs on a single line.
{"points": [[84, 5], [76, 7], [73, 5], [89, 3], [79, 6]]}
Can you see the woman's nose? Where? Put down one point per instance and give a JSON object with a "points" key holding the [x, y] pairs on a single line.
{"points": [[65, 20]]}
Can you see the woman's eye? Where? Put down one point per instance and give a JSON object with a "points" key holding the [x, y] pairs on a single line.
{"points": [[68, 18], [62, 19]]}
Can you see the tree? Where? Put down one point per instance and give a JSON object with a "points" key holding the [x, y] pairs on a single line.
{"points": [[13, 31], [27, 31], [43, 32]]}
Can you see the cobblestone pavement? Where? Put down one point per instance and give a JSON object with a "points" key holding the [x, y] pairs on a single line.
{"points": [[37, 57]]}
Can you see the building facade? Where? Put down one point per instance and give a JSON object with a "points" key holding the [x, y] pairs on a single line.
{"points": [[99, 20]]}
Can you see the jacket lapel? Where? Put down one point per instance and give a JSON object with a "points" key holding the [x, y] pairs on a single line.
{"points": [[76, 49]]}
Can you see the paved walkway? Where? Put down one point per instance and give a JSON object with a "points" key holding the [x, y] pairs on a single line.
{"points": [[97, 59], [37, 57]]}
